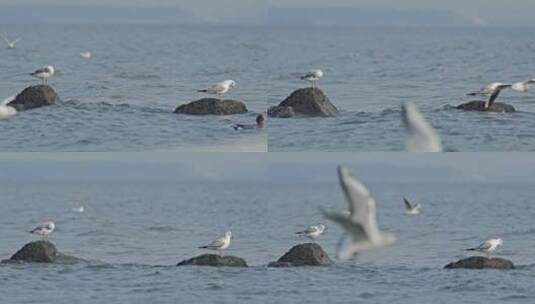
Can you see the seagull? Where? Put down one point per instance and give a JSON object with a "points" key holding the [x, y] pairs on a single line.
{"points": [[421, 136], [79, 209], [44, 229], [313, 232], [488, 246], [313, 76], [10, 44], [361, 230], [410, 209], [85, 54], [493, 90], [220, 88], [219, 244], [259, 124], [523, 86], [44, 73]]}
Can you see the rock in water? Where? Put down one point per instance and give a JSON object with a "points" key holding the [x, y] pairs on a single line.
{"points": [[215, 261], [281, 112], [480, 262], [212, 106], [42, 252], [308, 254], [309, 102], [34, 97], [478, 105]]}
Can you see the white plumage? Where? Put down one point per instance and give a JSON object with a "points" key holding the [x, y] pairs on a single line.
{"points": [[219, 244], [44, 229], [421, 136], [313, 232], [220, 88]]}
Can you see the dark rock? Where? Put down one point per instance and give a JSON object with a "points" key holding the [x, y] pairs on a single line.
{"points": [[42, 252], [308, 254], [34, 97], [309, 102], [215, 261], [478, 105], [212, 106], [481, 262], [281, 112]]}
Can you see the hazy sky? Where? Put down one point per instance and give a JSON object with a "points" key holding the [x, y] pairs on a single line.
{"points": [[491, 11]]}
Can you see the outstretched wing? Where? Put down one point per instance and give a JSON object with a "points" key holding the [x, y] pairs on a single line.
{"points": [[408, 205], [421, 137]]}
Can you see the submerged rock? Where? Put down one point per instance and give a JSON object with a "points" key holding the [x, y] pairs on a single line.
{"points": [[281, 112], [42, 252], [307, 102], [481, 262], [478, 105], [212, 106], [34, 97], [308, 254], [215, 261]]}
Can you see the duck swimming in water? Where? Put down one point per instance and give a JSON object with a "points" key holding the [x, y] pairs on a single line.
{"points": [[259, 124]]}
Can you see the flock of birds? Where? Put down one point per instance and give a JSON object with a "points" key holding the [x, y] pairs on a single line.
{"points": [[359, 223]]}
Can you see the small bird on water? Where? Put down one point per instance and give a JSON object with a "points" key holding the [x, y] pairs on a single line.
{"points": [[44, 229], [259, 124], [488, 247], [219, 244]]}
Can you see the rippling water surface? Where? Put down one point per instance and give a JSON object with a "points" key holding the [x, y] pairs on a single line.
{"points": [[135, 231]]}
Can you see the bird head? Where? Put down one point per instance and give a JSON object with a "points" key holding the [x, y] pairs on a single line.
{"points": [[228, 234], [500, 242], [49, 68]]}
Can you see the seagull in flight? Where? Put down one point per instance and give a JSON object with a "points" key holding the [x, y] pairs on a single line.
{"points": [[44, 229], [492, 90], [523, 86], [44, 73], [361, 230], [10, 44], [313, 232], [220, 88], [219, 244], [85, 54], [411, 209], [313, 76], [421, 136], [488, 246]]}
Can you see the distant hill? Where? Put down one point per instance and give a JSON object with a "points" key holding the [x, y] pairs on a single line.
{"points": [[363, 17], [21, 14]]}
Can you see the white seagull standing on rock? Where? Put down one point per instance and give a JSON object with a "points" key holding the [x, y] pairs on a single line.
{"points": [[313, 232], [421, 136], [488, 246], [523, 86], [219, 244], [313, 76], [411, 209], [44, 229], [361, 230], [10, 44], [220, 88], [44, 73]]}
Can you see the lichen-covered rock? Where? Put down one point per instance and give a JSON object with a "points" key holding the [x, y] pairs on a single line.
{"points": [[34, 97], [281, 112], [481, 262], [212, 106], [478, 105], [308, 254], [215, 260], [309, 102], [42, 252]]}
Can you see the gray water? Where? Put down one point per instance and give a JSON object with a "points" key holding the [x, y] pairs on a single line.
{"points": [[122, 99], [134, 231], [369, 72]]}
